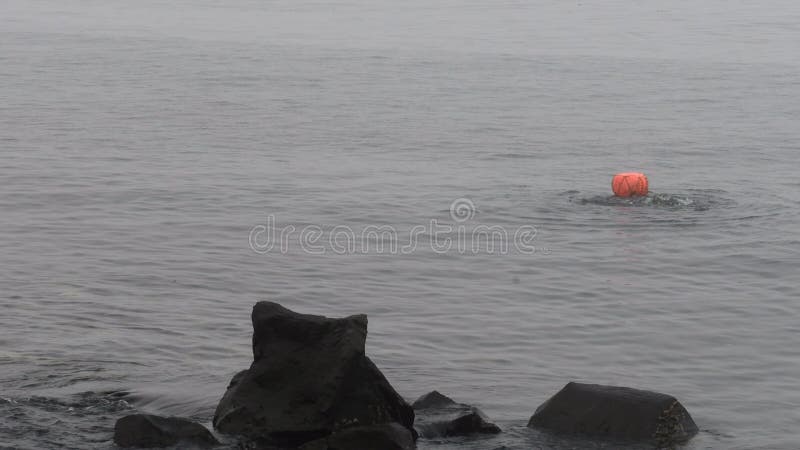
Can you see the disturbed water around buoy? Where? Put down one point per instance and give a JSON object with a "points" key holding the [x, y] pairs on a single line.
{"points": [[692, 200], [143, 141]]}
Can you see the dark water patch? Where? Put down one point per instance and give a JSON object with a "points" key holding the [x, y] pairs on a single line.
{"points": [[692, 201], [83, 403], [519, 437], [174, 401], [83, 420], [709, 207]]}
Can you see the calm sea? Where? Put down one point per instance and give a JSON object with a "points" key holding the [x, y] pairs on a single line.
{"points": [[143, 142]]}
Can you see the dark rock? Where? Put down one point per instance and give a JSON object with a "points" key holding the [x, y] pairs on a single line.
{"points": [[433, 399], [144, 430], [387, 436], [309, 378], [616, 413], [439, 416]]}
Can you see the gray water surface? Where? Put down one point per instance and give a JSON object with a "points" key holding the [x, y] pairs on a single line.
{"points": [[141, 143]]}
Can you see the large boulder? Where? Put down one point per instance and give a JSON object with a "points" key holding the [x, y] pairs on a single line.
{"points": [[310, 378], [144, 430], [615, 413], [440, 416], [387, 436]]}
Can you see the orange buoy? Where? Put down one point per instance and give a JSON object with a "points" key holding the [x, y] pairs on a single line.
{"points": [[629, 184]]}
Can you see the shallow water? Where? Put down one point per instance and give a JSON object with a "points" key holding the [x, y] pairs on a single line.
{"points": [[143, 142]]}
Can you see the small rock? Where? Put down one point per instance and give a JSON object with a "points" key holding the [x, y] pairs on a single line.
{"points": [[433, 399], [440, 416], [616, 413], [387, 436], [144, 430]]}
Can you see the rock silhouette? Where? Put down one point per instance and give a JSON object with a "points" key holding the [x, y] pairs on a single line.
{"points": [[440, 416], [615, 412], [388, 436], [144, 430], [310, 378]]}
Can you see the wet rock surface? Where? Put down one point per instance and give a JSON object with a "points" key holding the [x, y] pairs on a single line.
{"points": [[440, 416], [616, 413], [309, 378], [389, 436], [148, 431]]}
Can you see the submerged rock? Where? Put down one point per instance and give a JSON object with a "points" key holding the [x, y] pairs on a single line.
{"points": [[310, 378], [387, 436], [440, 416], [616, 413], [144, 430]]}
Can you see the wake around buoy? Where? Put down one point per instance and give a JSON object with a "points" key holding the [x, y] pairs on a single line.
{"points": [[629, 184]]}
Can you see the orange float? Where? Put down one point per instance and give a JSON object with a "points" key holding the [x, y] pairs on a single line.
{"points": [[629, 184]]}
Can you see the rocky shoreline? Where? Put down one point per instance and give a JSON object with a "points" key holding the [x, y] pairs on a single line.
{"points": [[312, 387]]}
